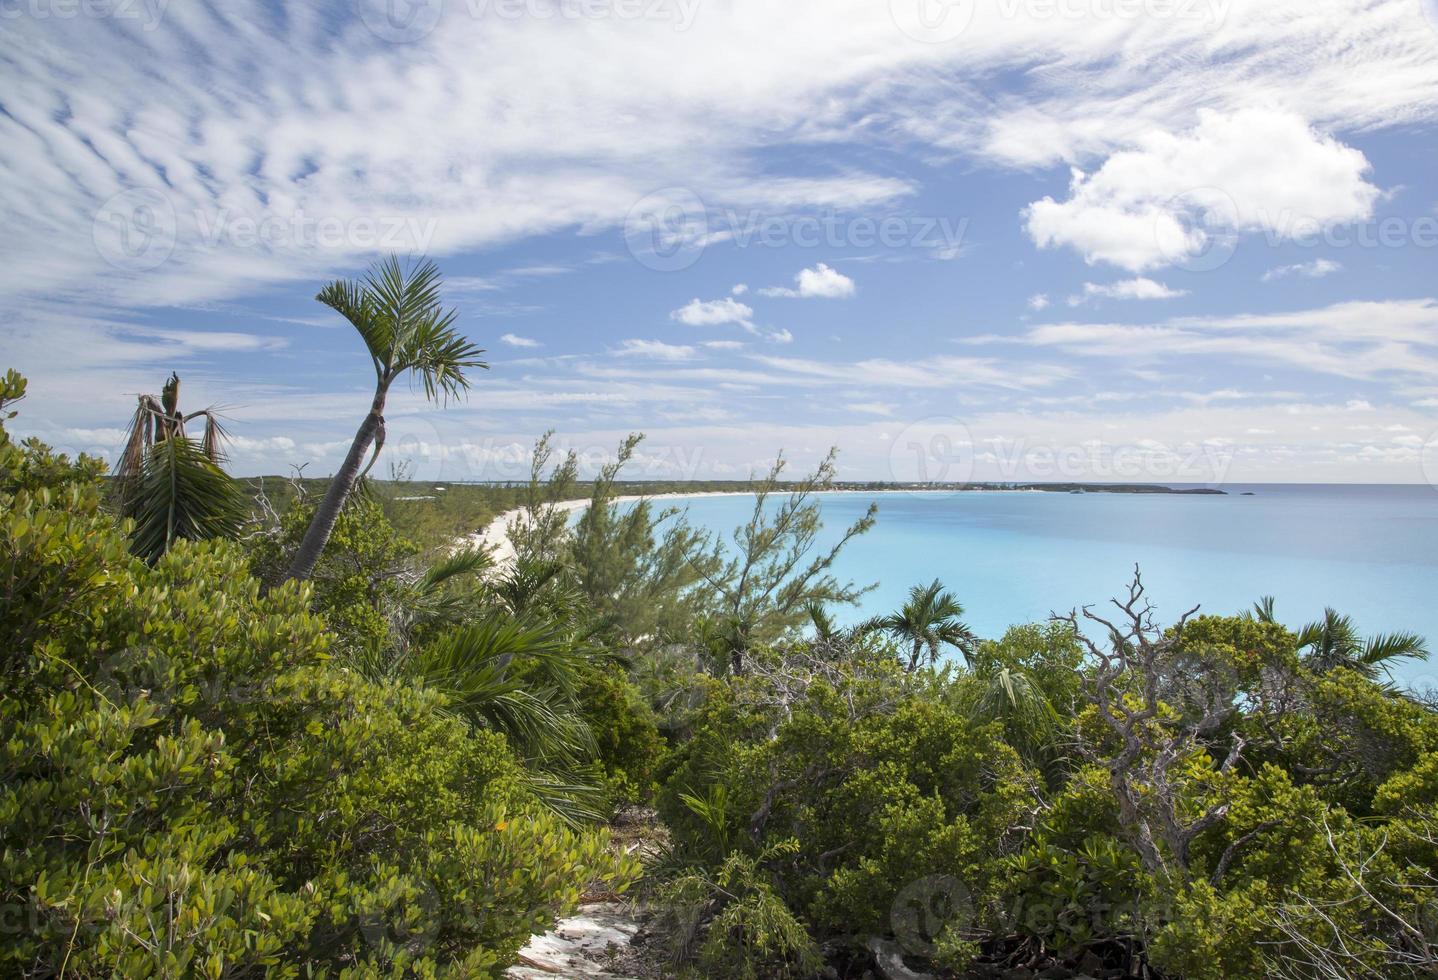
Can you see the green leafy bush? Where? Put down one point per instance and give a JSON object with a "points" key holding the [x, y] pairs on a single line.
{"points": [[629, 745], [877, 795], [188, 786]]}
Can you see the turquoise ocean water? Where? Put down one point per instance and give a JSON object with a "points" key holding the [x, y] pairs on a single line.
{"points": [[1369, 551]]}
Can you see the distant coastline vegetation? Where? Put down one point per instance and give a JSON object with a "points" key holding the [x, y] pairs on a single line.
{"points": [[231, 751]]}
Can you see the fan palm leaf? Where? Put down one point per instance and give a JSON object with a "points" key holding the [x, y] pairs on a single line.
{"points": [[513, 678], [181, 493], [1031, 724]]}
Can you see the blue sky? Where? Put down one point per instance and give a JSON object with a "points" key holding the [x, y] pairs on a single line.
{"points": [[1153, 240]]}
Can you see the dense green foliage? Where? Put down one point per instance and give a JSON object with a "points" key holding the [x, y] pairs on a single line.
{"points": [[193, 786], [1207, 800], [399, 767]]}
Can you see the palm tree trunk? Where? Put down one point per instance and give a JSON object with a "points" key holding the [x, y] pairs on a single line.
{"points": [[317, 535]]}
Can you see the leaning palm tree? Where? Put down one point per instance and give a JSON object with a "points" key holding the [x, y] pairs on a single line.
{"points": [[170, 485], [928, 621], [397, 312], [1334, 642]]}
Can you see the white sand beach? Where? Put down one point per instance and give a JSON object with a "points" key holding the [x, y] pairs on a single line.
{"points": [[494, 537]]}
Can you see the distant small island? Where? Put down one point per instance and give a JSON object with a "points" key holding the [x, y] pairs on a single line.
{"points": [[1043, 487], [675, 487]]}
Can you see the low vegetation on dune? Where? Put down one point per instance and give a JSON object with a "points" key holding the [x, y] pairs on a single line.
{"points": [[290, 730]]}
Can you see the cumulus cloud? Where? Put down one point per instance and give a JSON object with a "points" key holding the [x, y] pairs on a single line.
{"points": [[714, 312], [514, 340], [1039, 302], [820, 282], [1316, 269], [1171, 198]]}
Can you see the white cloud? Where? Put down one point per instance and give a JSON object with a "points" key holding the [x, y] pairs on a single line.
{"points": [[1171, 198], [1039, 302], [514, 340], [739, 289], [714, 312], [819, 282], [657, 349], [780, 337], [883, 409], [1137, 288], [930, 372], [1360, 340], [1316, 269]]}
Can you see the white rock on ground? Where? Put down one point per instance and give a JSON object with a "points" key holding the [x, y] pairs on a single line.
{"points": [[584, 945]]}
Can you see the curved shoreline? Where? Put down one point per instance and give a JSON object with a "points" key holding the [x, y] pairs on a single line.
{"points": [[494, 536]]}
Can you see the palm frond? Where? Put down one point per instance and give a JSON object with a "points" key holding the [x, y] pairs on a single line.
{"points": [[1012, 696], [514, 678], [575, 796], [466, 561], [439, 356], [139, 437], [1384, 647], [180, 493], [350, 300], [212, 443]]}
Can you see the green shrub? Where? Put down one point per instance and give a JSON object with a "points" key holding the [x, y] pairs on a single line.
{"points": [[876, 799], [630, 747], [357, 585], [188, 786], [733, 924]]}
